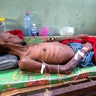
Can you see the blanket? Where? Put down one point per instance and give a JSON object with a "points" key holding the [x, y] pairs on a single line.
{"points": [[91, 40]]}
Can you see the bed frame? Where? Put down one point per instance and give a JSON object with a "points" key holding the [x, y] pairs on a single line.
{"points": [[81, 87], [85, 87]]}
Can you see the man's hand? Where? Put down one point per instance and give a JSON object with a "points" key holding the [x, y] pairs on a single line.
{"points": [[87, 46]]}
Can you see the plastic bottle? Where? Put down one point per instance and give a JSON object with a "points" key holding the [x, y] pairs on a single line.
{"points": [[34, 30], [27, 25]]}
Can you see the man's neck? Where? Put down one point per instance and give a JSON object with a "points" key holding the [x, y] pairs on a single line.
{"points": [[15, 49]]}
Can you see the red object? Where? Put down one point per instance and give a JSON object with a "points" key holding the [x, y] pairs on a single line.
{"points": [[18, 33], [71, 40], [91, 40]]}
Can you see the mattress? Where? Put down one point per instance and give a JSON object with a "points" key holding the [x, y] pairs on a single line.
{"points": [[16, 78]]}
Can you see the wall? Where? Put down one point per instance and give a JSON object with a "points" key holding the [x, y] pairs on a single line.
{"points": [[81, 14]]}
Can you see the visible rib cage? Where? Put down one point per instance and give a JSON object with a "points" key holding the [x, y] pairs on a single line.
{"points": [[51, 52]]}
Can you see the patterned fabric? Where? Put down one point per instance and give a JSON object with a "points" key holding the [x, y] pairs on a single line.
{"points": [[88, 58], [16, 78]]}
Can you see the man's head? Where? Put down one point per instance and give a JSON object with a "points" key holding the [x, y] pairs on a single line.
{"points": [[7, 37]]}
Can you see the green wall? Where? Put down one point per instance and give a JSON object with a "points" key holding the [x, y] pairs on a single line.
{"points": [[80, 14]]}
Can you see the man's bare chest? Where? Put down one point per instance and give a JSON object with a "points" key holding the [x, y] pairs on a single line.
{"points": [[49, 52], [48, 48]]}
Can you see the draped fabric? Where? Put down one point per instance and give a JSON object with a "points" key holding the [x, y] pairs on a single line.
{"points": [[18, 33], [89, 39]]}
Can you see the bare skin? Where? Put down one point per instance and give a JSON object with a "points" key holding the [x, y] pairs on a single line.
{"points": [[53, 53], [7, 37], [80, 36]]}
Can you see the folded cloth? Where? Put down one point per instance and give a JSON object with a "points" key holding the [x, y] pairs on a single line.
{"points": [[18, 33], [88, 58], [92, 40], [8, 61], [85, 39]]}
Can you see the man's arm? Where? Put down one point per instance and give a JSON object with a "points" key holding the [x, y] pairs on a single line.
{"points": [[68, 67], [28, 64], [80, 36]]}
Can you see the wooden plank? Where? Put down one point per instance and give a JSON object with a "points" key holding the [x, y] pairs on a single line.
{"points": [[75, 88]]}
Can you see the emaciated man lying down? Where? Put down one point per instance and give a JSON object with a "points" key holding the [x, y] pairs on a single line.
{"points": [[50, 57]]}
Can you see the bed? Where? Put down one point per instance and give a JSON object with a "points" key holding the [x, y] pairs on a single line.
{"points": [[15, 81]]}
